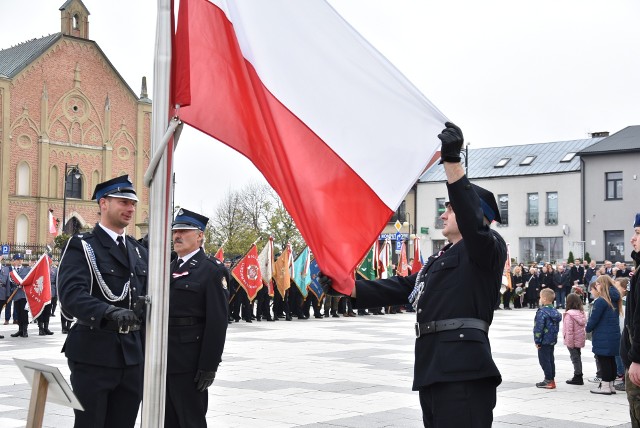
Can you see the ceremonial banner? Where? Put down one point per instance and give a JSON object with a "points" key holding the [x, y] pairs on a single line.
{"points": [[417, 256], [282, 270], [317, 109], [403, 267], [315, 286], [302, 276], [266, 265], [368, 269], [36, 285], [506, 275], [220, 254], [384, 260], [53, 224], [247, 273]]}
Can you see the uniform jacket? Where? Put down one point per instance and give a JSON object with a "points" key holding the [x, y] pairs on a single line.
{"points": [[53, 276], [22, 272], [546, 326], [464, 282], [605, 325], [630, 343], [198, 289], [4, 283], [81, 297], [573, 323]]}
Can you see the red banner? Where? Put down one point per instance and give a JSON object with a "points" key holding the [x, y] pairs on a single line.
{"points": [[36, 285], [247, 273]]}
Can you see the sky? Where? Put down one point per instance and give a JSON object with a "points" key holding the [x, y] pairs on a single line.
{"points": [[507, 72]]}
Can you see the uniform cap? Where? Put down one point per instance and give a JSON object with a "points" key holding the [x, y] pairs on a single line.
{"points": [[189, 220], [18, 256], [636, 223], [488, 203], [119, 187]]}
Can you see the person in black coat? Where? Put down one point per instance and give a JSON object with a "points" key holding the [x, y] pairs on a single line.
{"points": [[102, 277], [454, 295], [20, 298], [562, 284], [198, 312]]}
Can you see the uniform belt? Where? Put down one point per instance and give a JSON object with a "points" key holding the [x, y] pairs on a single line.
{"points": [[452, 324], [113, 326], [184, 321]]}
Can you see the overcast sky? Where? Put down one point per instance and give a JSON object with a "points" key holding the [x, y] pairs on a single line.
{"points": [[507, 72]]}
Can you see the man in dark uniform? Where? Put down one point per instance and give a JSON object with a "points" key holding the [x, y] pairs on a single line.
{"points": [[198, 312], [630, 343], [101, 276], [454, 295], [20, 298]]}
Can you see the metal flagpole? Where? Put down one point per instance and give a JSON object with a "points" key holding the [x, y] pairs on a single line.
{"points": [[160, 202]]}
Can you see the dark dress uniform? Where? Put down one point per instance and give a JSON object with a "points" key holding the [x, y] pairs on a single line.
{"points": [[197, 332], [106, 365], [461, 283]]}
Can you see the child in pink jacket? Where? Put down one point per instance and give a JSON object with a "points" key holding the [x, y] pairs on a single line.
{"points": [[573, 323]]}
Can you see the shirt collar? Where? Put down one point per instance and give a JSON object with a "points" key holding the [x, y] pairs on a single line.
{"points": [[188, 256], [114, 235]]}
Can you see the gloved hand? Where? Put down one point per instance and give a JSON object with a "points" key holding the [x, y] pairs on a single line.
{"points": [[124, 317], [327, 286], [452, 141], [204, 379]]}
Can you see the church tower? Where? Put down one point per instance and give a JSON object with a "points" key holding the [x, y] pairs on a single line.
{"points": [[74, 19]]}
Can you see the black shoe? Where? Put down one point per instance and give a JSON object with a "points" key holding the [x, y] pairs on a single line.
{"points": [[258, 319], [41, 332], [25, 334], [319, 316], [17, 334], [248, 320], [335, 315], [288, 318], [576, 380], [1, 336]]}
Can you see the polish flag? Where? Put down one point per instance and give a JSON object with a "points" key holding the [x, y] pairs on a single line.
{"points": [[417, 256], [220, 254], [53, 224], [293, 87], [36, 285]]}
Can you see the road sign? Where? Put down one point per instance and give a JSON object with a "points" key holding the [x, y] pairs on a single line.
{"points": [[6, 250], [398, 241], [398, 225]]}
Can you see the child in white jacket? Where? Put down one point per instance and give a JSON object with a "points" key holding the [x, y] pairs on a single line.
{"points": [[573, 331]]}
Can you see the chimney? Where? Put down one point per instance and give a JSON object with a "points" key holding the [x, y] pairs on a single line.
{"points": [[599, 134]]}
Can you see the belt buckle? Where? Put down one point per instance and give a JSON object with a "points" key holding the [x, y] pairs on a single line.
{"points": [[123, 329], [417, 326]]}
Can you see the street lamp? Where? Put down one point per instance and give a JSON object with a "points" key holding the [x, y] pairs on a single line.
{"points": [[73, 169]]}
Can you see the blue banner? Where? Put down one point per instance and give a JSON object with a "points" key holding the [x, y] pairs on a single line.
{"points": [[315, 286]]}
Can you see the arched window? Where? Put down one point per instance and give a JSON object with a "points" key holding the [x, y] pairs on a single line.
{"points": [[53, 182], [76, 22], [22, 229], [23, 179], [73, 184]]}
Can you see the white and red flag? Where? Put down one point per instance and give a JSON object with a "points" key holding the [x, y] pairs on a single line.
{"points": [[36, 285], [417, 256], [247, 273], [220, 254], [53, 224], [293, 87]]}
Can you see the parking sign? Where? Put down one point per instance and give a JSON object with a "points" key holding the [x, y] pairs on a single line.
{"points": [[6, 250]]}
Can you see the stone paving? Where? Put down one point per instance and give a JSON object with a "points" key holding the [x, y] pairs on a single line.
{"points": [[341, 372]]}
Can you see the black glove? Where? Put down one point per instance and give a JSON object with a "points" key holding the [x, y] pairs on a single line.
{"points": [[124, 317], [327, 286], [452, 141], [204, 379]]}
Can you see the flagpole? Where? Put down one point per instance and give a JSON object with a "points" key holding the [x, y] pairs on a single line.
{"points": [[160, 203]]}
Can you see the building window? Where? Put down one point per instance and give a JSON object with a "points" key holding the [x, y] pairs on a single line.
{"points": [[23, 179], [502, 162], [614, 245], [440, 209], [568, 157], [22, 229], [536, 250], [76, 22], [438, 244], [527, 161], [551, 216], [503, 206], [614, 185], [532, 209], [73, 185]]}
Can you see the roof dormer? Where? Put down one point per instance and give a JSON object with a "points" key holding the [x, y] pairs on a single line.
{"points": [[74, 17]]}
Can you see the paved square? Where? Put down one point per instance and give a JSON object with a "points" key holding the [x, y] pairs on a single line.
{"points": [[341, 372]]}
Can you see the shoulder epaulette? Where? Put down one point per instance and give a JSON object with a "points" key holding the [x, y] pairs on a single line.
{"points": [[84, 235]]}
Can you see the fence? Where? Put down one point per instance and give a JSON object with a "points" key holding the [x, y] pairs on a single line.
{"points": [[31, 251]]}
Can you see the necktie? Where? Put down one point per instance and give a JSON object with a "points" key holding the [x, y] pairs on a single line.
{"points": [[176, 265], [121, 245]]}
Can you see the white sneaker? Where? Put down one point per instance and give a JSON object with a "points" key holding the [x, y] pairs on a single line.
{"points": [[595, 379]]}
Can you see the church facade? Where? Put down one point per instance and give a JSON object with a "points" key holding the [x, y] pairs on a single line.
{"points": [[68, 121]]}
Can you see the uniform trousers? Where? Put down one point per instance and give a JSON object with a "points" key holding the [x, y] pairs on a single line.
{"points": [[110, 396], [466, 404], [185, 406], [633, 397]]}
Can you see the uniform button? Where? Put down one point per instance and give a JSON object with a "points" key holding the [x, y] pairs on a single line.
{"points": [[441, 263], [93, 318], [186, 286], [197, 337], [467, 186], [461, 335], [134, 288], [131, 273], [111, 270], [419, 311]]}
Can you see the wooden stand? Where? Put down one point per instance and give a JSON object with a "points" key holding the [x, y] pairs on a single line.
{"points": [[39, 389]]}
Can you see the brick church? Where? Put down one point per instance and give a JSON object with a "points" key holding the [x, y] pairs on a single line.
{"points": [[68, 121]]}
